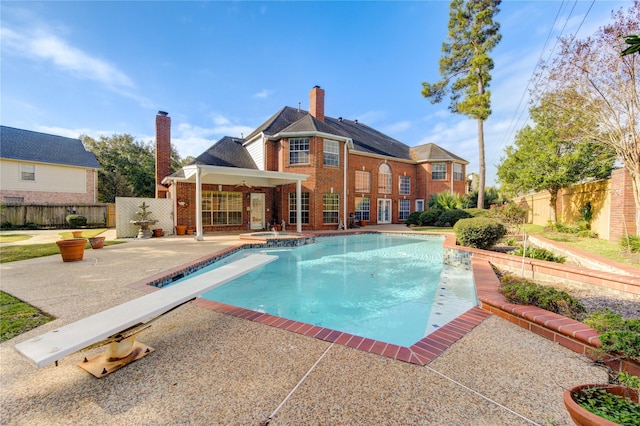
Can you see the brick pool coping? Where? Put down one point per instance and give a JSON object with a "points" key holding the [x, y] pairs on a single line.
{"points": [[567, 332]]}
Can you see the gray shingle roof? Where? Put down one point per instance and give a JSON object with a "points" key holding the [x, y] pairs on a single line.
{"points": [[26, 145], [432, 152], [227, 152]]}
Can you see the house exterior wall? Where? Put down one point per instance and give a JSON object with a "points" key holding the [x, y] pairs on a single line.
{"points": [[52, 184]]}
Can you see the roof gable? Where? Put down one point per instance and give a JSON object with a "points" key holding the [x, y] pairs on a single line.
{"points": [[432, 152], [26, 145], [227, 152]]}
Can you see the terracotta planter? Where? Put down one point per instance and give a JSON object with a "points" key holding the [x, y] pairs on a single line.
{"points": [[157, 232], [582, 417], [362, 223], [76, 234], [96, 242], [72, 250], [181, 229], [190, 231]]}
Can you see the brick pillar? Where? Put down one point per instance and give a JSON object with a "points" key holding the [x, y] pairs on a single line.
{"points": [[316, 103], [623, 209], [163, 152]]}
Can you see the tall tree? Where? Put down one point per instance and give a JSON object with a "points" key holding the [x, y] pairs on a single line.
{"points": [[544, 158], [465, 67], [127, 166], [605, 87]]}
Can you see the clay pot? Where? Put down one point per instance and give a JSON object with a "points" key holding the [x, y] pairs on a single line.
{"points": [[363, 223], [190, 231], [157, 232], [72, 250], [96, 242], [582, 417], [76, 234], [181, 229]]}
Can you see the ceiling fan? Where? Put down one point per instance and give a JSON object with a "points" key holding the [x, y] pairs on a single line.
{"points": [[245, 184]]}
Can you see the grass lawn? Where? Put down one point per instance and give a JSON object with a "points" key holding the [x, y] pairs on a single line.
{"points": [[602, 248], [17, 317], [12, 238]]}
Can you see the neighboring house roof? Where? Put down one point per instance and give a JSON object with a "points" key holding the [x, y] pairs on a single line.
{"points": [[432, 152], [26, 145]]}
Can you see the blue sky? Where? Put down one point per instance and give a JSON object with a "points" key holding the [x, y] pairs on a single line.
{"points": [[222, 68]]}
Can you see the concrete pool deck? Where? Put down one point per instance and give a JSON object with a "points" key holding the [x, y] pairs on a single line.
{"points": [[213, 368]]}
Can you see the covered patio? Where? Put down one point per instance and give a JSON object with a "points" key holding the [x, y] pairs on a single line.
{"points": [[200, 175]]}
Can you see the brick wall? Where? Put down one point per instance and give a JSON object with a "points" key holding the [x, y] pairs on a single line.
{"points": [[623, 208], [163, 152]]}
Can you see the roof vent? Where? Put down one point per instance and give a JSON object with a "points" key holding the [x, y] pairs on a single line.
{"points": [[355, 121], [340, 119]]}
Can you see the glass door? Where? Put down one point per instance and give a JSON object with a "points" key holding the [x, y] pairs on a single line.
{"points": [[257, 211], [384, 210]]}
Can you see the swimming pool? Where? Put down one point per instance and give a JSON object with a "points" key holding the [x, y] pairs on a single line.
{"points": [[392, 288]]}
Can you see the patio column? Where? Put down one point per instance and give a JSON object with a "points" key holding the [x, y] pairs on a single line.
{"points": [[299, 206], [199, 233]]}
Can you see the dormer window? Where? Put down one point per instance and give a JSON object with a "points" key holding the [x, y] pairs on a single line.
{"points": [[299, 151]]}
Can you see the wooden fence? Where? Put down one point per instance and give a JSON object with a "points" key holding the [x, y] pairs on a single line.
{"points": [[54, 215]]}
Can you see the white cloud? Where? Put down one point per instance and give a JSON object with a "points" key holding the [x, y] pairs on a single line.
{"points": [[39, 44], [398, 127], [263, 94], [194, 140]]}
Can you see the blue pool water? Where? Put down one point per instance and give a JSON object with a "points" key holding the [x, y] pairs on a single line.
{"points": [[388, 287]]}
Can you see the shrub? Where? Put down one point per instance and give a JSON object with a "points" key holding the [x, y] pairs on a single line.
{"points": [[631, 242], [413, 219], [510, 241], [75, 220], [445, 201], [479, 232], [511, 214], [450, 217], [6, 225], [30, 225], [475, 212], [617, 335], [524, 292], [429, 217], [539, 254]]}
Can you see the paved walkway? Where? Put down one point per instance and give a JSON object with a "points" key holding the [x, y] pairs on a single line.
{"points": [[211, 368]]}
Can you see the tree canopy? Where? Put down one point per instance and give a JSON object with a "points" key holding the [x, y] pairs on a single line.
{"points": [[601, 86], [545, 158], [465, 67], [127, 166]]}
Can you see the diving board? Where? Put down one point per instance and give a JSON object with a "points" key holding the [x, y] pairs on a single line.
{"points": [[122, 322]]}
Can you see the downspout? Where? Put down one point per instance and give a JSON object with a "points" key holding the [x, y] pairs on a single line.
{"points": [[452, 163], [199, 236], [299, 206], [344, 185]]}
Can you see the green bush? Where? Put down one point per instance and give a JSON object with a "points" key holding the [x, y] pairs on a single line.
{"points": [[450, 217], [539, 254], [76, 220], [479, 232], [6, 225], [617, 335], [524, 292], [476, 212], [430, 217], [632, 242], [445, 201], [413, 219]]}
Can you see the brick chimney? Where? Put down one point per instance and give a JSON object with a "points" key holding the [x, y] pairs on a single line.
{"points": [[316, 103], [163, 152]]}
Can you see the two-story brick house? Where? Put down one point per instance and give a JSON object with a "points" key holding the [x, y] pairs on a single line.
{"points": [[334, 166]]}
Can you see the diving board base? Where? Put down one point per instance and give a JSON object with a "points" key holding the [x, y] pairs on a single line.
{"points": [[104, 364]]}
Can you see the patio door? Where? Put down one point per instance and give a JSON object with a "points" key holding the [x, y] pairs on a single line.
{"points": [[384, 210], [257, 211]]}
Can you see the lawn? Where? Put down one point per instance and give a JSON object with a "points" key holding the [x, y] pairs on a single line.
{"points": [[17, 317]]}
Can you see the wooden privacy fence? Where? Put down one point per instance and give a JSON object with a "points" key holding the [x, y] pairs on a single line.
{"points": [[54, 215]]}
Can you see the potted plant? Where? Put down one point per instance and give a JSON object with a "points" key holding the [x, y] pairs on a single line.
{"points": [[157, 232], [96, 242], [72, 249], [612, 403], [181, 229]]}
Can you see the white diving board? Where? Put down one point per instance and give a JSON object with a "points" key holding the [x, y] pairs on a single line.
{"points": [[56, 344]]}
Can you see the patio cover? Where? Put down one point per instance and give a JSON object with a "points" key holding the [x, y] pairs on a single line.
{"points": [[200, 174]]}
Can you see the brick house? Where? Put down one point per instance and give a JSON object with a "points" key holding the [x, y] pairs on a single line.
{"points": [[308, 171], [42, 168]]}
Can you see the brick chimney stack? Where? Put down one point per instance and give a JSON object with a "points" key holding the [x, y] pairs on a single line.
{"points": [[163, 152], [316, 103]]}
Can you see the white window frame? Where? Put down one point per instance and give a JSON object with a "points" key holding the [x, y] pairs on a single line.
{"points": [[28, 172], [385, 179], [404, 209], [420, 205], [363, 181], [330, 208], [298, 151], [230, 208], [331, 152], [304, 208], [404, 185], [437, 170], [363, 208], [457, 172]]}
